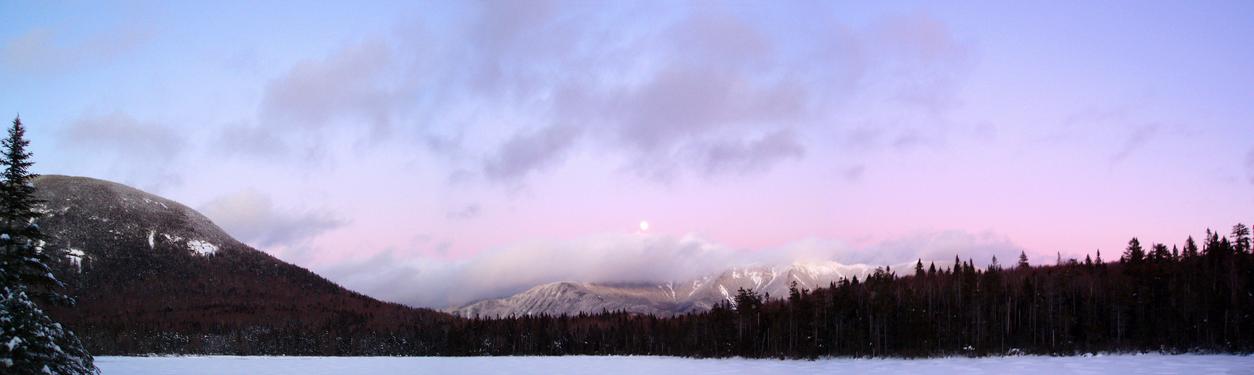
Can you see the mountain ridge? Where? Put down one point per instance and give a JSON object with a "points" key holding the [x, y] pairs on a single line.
{"points": [[660, 298]]}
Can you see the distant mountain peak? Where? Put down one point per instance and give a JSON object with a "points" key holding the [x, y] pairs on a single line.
{"points": [[663, 298]]}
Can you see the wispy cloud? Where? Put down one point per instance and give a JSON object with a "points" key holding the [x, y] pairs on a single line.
{"points": [[46, 51], [145, 152]]}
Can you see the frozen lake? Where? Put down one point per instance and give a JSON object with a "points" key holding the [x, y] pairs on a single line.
{"points": [[1114, 364]]}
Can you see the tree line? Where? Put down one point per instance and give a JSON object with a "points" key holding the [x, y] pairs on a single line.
{"points": [[1195, 298]]}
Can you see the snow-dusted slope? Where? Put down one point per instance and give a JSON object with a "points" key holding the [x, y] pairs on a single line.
{"points": [[79, 211], [138, 264], [669, 298]]}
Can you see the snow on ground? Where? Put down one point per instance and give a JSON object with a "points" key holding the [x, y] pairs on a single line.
{"points": [[202, 247], [1114, 364]]}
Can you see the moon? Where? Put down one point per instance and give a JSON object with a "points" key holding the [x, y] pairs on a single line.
{"points": [[644, 225]]}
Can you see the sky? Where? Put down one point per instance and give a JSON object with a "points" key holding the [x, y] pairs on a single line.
{"points": [[436, 153]]}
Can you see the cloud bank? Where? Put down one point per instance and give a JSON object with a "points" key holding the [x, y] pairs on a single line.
{"points": [[701, 91]]}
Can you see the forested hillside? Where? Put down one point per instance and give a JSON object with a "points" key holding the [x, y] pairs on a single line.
{"points": [[153, 276]]}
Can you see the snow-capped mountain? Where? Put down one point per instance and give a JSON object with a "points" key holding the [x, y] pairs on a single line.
{"points": [[664, 299]]}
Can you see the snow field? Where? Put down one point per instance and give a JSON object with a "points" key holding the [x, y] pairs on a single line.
{"points": [[1112, 364]]}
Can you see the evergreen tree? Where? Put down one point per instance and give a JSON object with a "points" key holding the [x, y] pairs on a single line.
{"points": [[1023, 260], [1190, 248], [1135, 254], [1160, 253], [22, 258], [1241, 238], [30, 342]]}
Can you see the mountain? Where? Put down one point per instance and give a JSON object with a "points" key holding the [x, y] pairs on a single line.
{"points": [[662, 299], [152, 275]]}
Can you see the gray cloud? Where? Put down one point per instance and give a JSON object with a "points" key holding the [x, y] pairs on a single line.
{"points": [[708, 91], [346, 85], [527, 152], [45, 51], [251, 217], [745, 156], [466, 212], [251, 141], [1138, 137], [853, 173], [627, 258], [693, 91], [139, 151], [120, 133]]}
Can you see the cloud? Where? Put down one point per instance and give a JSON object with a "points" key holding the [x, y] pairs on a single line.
{"points": [[251, 141], [1139, 136], [251, 217], [630, 258], [698, 91], [120, 133], [853, 173], [349, 84], [467, 212], [980, 247], [43, 50], [140, 151], [528, 152], [746, 156], [506, 92]]}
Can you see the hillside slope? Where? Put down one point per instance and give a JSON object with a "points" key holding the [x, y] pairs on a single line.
{"points": [[152, 275]]}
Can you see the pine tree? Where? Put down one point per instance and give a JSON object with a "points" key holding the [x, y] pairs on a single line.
{"points": [[1241, 238], [1190, 248], [20, 238], [1023, 260], [1160, 253], [30, 342], [1135, 254]]}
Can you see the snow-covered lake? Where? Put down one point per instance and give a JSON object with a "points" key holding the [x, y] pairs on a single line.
{"points": [[1113, 364]]}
